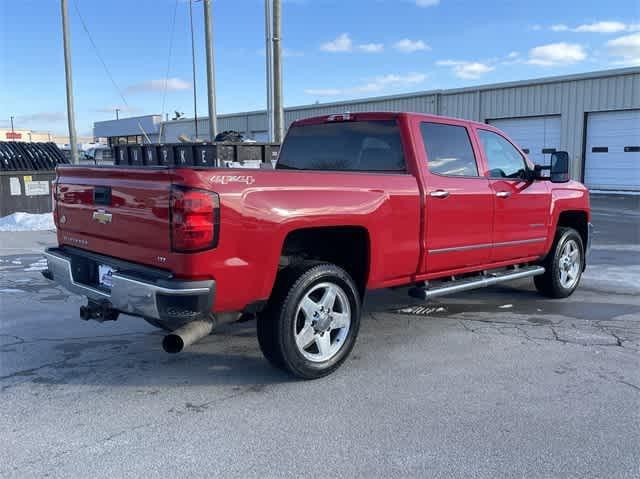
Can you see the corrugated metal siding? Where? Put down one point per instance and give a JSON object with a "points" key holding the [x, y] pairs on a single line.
{"points": [[460, 105], [571, 98], [171, 130], [127, 126], [257, 122]]}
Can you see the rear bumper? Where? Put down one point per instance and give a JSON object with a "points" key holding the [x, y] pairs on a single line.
{"points": [[136, 290]]}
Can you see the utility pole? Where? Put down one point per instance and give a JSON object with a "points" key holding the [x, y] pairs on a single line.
{"points": [[12, 131], [268, 28], [278, 107], [211, 78], [193, 68], [117, 111], [71, 116]]}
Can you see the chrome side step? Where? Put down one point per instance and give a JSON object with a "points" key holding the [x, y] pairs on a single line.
{"points": [[474, 282]]}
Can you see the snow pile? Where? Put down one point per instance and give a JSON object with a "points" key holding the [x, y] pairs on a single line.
{"points": [[615, 192], [27, 222]]}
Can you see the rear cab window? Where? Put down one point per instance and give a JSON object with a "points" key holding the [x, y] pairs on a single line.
{"points": [[449, 150], [366, 146]]}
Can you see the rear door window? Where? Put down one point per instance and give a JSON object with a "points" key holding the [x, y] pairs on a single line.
{"points": [[344, 146], [449, 150]]}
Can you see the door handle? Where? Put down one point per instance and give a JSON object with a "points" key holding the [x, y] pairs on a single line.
{"points": [[439, 194], [503, 194]]}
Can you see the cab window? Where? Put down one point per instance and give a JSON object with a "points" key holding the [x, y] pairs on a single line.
{"points": [[367, 145], [449, 150], [504, 160]]}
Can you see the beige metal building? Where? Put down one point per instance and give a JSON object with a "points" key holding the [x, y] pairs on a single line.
{"points": [[21, 134]]}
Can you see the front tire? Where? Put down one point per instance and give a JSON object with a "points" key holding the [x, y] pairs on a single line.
{"points": [[563, 265], [312, 320]]}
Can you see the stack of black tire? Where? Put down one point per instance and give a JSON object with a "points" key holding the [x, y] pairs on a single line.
{"points": [[23, 156]]}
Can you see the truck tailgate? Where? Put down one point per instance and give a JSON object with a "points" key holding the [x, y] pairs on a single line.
{"points": [[114, 211]]}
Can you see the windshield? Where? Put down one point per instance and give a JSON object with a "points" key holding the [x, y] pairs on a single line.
{"points": [[344, 146]]}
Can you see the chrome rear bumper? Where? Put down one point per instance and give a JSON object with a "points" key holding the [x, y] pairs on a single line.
{"points": [[158, 298]]}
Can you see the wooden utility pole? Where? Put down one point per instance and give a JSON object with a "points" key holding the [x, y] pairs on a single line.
{"points": [[71, 117]]}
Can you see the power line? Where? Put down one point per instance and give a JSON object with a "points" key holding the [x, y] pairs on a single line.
{"points": [[104, 64]]}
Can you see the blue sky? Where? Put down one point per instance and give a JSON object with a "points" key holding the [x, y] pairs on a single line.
{"points": [[334, 50]]}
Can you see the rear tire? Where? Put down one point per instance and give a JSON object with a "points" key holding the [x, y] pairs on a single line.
{"points": [[563, 265], [312, 320]]}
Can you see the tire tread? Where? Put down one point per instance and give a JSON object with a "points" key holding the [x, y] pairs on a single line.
{"points": [[548, 284], [270, 321]]}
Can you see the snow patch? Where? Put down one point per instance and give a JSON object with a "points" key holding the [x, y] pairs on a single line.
{"points": [[421, 310], [27, 222], [613, 278], [615, 192], [616, 247], [506, 306], [40, 265]]}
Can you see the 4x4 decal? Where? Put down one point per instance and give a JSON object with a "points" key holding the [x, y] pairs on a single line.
{"points": [[226, 179]]}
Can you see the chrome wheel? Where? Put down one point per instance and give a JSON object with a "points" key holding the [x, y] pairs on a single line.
{"points": [[569, 264], [322, 322]]}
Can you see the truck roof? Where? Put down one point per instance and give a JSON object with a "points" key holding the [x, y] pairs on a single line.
{"points": [[378, 115]]}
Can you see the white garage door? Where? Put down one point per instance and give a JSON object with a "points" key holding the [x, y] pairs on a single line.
{"points": [[538, 136], [613, 150]]}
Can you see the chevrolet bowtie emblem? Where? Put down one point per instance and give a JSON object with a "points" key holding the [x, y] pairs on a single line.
{"points": [[102, 217]]}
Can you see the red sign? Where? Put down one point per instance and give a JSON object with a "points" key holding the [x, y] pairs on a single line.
{"points": [[12, 135]]}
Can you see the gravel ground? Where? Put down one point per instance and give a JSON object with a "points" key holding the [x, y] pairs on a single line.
{"points": [[498, 382]]}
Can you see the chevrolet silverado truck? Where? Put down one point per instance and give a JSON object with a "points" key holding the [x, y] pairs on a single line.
{"points": [[356, 202]]}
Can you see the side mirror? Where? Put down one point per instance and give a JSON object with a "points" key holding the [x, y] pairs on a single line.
{"points": [[539, 172], [559, 167]]}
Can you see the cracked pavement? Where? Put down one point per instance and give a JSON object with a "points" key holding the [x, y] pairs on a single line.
{"points": [[497, 382]]}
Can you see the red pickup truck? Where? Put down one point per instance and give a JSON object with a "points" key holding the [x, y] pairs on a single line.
{"points": [[356, 202]]}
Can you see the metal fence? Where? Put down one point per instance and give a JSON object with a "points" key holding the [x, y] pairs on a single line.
{"points": [[25, 191], [26, 173]]}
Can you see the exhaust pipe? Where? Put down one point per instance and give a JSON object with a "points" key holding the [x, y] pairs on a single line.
{"points": [[187, 335]]}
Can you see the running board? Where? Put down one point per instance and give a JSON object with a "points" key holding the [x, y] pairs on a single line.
{"points": [[466, 284]]}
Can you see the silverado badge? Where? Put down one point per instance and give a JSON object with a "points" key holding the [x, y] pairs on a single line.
{"points": [[102, 217]]}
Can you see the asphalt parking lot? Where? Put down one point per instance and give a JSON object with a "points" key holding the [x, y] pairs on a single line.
{"points": [[497, 382]]}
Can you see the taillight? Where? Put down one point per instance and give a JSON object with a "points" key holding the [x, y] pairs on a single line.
{"points": [[195, 219], [54, 201]]}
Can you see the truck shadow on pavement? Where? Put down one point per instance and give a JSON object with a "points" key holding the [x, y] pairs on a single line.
{"points": [[500, 299], [130, 355], [231, 357]]}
